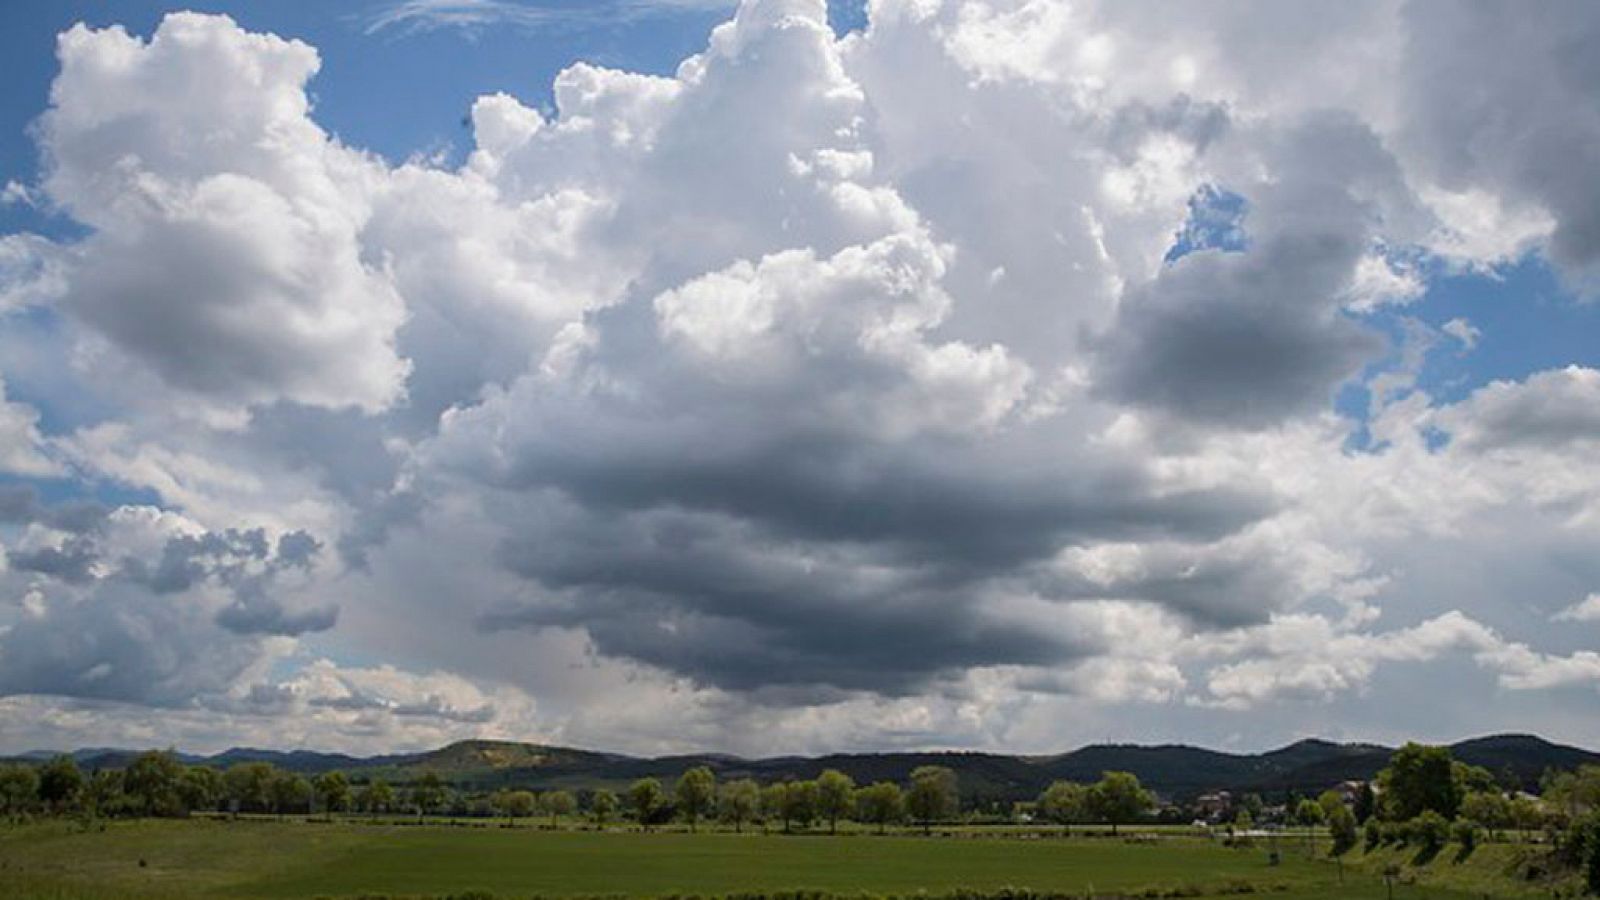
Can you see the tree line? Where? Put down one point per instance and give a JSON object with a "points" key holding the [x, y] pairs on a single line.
{"points": [[158, 784]]}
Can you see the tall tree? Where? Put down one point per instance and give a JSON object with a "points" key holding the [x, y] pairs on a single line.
{"points": [[1420, 778], [376, 796], [738, 802], [151, 782], [1309, 814], [60, 784], [200, 788], [1342, 828], [19, 789], [427, 793], [880, 804], [1064, 802], [933, 795], [290, 793], [557, 804], [514, 804], [799, 804], [773, 798], [645, 796], [103, 794], [333, 790], [835, 796], [696, 792], [602, 806], [1118, 798], [249, 785]]}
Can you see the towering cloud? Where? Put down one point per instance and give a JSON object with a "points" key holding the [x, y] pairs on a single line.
{"points": [[981, 377]]}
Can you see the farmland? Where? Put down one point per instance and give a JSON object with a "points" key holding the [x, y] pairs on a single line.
{"points": [[268, 858]]}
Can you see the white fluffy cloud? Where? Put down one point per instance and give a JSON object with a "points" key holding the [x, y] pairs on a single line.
{"points": [[225, 253], [912, 387]]}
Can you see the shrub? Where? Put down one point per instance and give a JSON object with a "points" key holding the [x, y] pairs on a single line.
{"points": [[1372, 832], [1430, 831], [1465, 833]]}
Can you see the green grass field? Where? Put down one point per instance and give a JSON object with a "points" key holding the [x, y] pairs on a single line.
{"points": [[261, 859]]}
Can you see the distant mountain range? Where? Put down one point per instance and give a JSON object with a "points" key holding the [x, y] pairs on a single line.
{"points": [[1174, 770]]}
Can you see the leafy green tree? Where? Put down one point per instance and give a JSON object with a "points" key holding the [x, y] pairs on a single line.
{"points": [[1328, 800], [1527, 814], [1119, 799], [1366, 802], [800, 799], [248, 786], [1308, 814], [645, 796], [1064, 802], [1574, 793], [602, 806], [1372, 834], [200, 788], [881, 804], [60, 784], [738, 802], [333, 790], [514, 804], [933, 795], [1242, 820], [773, 797], [1420, 779], [376, 796], [1585, 842], [290, 793], [19, 789], [151, 782], [1489, 809], [1342, 828], [1430, 831], [427, 793], [557, 804], [696, 792], [835, 796], [103, 795]]}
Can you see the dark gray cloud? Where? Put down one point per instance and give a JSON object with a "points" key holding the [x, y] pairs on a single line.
{"points": [[20, 504], [1249, 338], [72, 561], [264, 616], [1496, 98]]}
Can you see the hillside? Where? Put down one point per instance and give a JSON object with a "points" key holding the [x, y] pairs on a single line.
{"points": [[1175, 771]]}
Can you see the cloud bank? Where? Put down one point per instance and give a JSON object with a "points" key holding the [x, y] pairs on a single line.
{"points": [[968, 380]]}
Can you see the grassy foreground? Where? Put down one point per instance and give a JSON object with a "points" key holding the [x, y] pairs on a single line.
{"points": [[261, 859]]}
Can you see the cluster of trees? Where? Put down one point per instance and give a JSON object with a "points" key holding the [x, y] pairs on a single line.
{"points": [[931, 796], [1116, 799], [158, 784], [1426, 799]]}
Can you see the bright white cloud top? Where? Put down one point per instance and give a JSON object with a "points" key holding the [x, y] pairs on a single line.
{"points": [[966, 380]]}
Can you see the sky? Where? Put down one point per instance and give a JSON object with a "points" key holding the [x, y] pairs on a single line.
{"points": [[777, 376]]}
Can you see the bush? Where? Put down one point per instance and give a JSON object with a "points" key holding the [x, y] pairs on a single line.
{"points": [[1430, 831], [1396, 833], [1372, 832], [1580, 846], [1464, 833]]}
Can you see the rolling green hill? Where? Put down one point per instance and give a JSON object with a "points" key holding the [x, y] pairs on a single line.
{"points": [[1175, 771]]}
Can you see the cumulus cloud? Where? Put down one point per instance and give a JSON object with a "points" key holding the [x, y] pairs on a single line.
{"points": [[225, 253], [964, 380]]}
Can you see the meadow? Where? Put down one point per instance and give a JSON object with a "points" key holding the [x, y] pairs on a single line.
{"points": [[263, 858]]}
